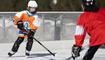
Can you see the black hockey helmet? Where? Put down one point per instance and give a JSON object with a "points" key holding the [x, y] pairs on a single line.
{"points": [[88, 2], [89, 5]]}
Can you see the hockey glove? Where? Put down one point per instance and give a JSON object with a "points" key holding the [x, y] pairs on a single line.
{"points": [[76, 51], [31, 33], [20, 25]]}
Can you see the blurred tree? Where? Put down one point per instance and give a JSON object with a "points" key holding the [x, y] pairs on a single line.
{"points": [[45, 5], [100, 3], [19, 5], [6, 5], [68, 5]]}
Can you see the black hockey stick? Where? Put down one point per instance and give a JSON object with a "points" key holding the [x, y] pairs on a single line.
{"points": [[41, 44], [44, 46]]}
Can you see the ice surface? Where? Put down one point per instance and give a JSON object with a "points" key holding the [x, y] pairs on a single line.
{"points": [[61, 48]]}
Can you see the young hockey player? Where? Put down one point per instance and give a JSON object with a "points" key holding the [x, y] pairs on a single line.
{"points": [[91, 21], [27, 23]]}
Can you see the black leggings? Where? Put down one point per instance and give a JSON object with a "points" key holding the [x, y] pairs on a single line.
{"points": [[91, 52], [19, 41]]}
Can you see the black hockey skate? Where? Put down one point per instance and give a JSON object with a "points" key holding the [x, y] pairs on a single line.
{"points": [[27, 53], [11, 54]]}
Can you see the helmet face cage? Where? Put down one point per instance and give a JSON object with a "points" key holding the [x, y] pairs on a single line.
{"points": [[31, 7], [34, 11]]}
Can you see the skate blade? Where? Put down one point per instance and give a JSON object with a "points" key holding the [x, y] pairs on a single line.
{"points": [[27, 56]]}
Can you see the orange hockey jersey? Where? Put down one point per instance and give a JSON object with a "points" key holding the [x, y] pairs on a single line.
{"points": [[30, 21]]}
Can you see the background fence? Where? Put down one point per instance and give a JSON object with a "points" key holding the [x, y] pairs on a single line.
{"points": [[53, 26]]}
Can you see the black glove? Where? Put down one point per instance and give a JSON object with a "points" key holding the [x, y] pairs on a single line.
{"points": [[31, 33], [20, 25], [76, 51]]}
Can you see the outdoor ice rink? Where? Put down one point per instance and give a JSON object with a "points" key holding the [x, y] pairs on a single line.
{"points": [[56, 32], [61, 48]]}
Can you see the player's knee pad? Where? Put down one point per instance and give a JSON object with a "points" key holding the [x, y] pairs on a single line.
{"points": [[30, 41], [29, 44], [19, 40], [17, 44]]}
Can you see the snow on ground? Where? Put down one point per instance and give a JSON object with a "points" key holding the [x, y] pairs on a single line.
{"points": [[61, 48]]}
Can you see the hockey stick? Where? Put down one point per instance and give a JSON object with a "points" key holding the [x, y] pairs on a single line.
{"points": [[41, 44], [44, 46], [71, 57]]}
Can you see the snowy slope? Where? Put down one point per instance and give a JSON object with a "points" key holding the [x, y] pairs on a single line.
{"points": [[61, 48]]}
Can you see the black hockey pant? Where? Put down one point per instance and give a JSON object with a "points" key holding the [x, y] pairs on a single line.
{"points": [[91, 52], [19, 41]]}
